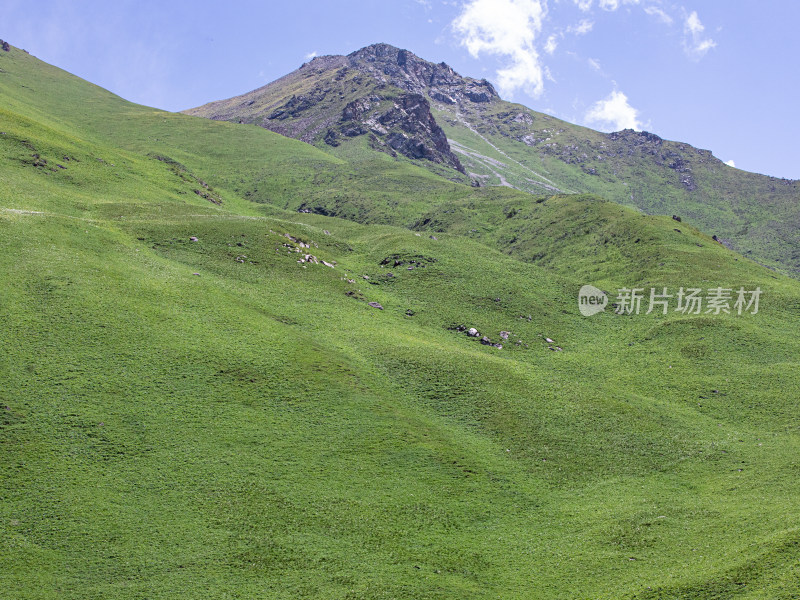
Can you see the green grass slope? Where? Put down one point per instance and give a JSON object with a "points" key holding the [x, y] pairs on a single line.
{"points": [[759, 216], [216, 419], [342, 104]]}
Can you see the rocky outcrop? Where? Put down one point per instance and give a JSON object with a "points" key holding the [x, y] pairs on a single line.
{"points": [[401, 124]]}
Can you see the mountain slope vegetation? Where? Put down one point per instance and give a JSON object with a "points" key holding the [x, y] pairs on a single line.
{"points": [[198, 400], [343, 104]]}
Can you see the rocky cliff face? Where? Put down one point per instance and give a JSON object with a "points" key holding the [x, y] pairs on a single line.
{"points": [[405, 126]]}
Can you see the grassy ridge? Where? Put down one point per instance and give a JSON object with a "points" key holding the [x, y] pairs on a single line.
{"points": [[259, 431]]}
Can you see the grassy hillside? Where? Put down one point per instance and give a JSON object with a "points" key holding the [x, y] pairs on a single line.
{"points": [[215, 419], [342, 104]]}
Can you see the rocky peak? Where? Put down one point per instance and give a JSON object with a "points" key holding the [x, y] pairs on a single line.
{"points": [[401, 68], [381, 94]]}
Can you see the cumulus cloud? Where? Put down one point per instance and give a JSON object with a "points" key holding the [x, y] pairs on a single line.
{"points": [[507, 28], [730, 163], [614, 113], [695, 45]]}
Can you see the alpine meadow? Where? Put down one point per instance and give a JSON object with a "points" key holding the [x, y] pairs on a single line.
{"points": [[323, 340]]}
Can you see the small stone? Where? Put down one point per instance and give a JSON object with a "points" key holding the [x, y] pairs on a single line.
{"points": [[472, 332], [375, 305], [193, 239], [505, 334], [198, 274], [548, 340]]}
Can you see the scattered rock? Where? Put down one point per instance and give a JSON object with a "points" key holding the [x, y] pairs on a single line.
{"points": [[433, 237], [326, 232], [375, 305], [505, 334], [365, 277], [196, 274], [472, 332], [486, 341], [549, 341], [676, 218], [193, 239], [327, 264]]}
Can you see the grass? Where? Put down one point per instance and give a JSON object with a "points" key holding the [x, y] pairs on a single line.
{"points": [[259, 431]]}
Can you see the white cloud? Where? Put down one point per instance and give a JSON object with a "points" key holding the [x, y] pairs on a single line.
{"points": [[584, 5], [694, 44], [730, 163], [506, 28], [614, 113], [585, 26], [612, 5], [654, 11], [551, 44], [594, 63], [311, 55]]}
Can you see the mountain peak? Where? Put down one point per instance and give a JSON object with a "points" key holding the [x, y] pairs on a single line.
{"points": [[404, 69], [380, 93]]}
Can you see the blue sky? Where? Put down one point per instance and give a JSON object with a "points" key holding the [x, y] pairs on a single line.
{"points": [[719, 75]]}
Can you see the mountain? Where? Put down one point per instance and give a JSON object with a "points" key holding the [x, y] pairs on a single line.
{"points": [[208, 392], [387, 99]]}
